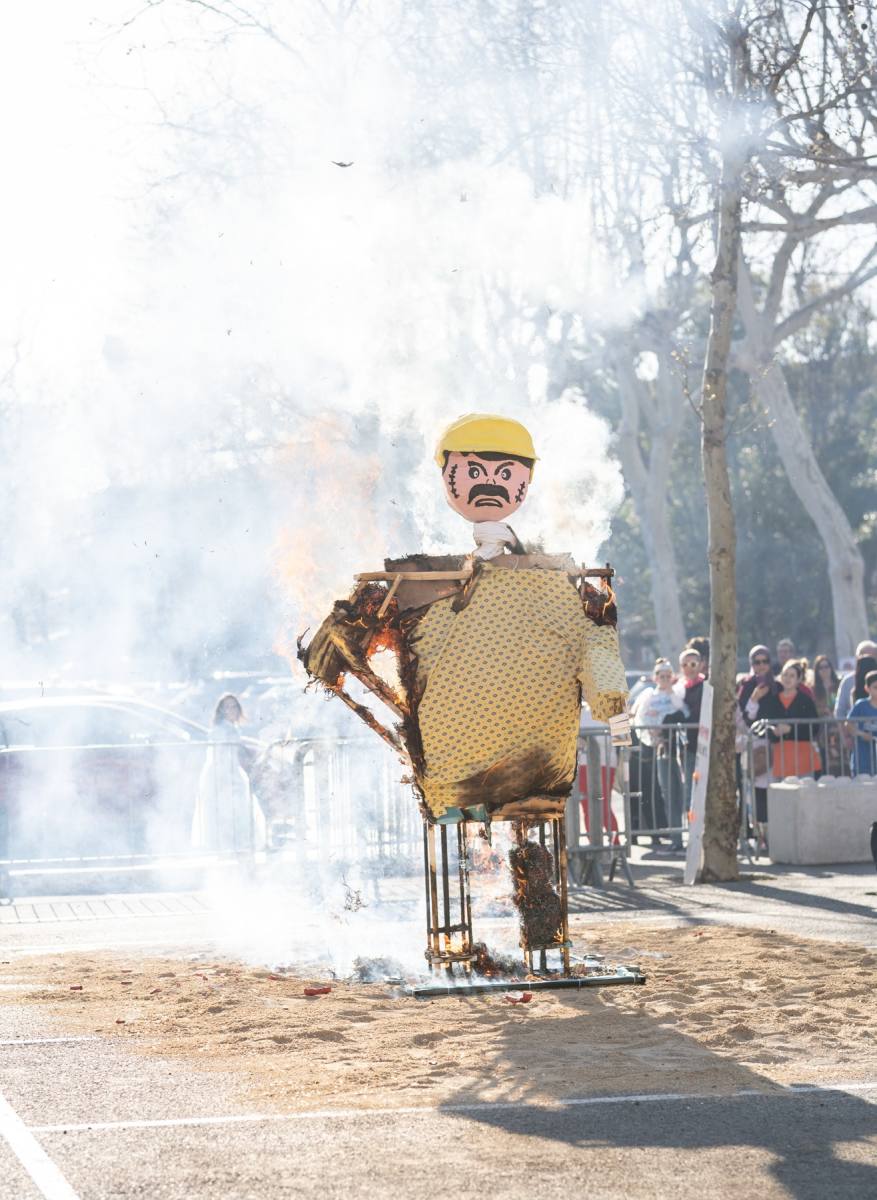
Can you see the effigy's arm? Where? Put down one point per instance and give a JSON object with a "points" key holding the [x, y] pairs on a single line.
{"points": [[389, 735], [340, 647], [604, 683]]}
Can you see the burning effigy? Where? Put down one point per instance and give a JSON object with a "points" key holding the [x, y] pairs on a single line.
{"points": [[492, 653]]}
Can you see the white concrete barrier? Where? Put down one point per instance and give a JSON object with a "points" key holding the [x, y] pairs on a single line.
{"points": [[825, 822]]}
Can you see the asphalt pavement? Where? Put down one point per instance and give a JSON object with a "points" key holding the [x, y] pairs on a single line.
{"points": [[837, 903], [86, 1118]]}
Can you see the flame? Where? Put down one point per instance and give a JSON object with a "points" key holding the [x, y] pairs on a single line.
{"points": [[331, 485], [386, 638]]}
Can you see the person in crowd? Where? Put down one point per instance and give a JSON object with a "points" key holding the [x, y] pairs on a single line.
{"points": [[785, 651], [863, 722], [760, 676], [649, 711], [702, 646], [755, 688], [644, 681], [864, 666], [824, 682], [742, 740], [845, 699], [757, 684], [689, 689], [787, 714], [858, 690], [227, 817]]}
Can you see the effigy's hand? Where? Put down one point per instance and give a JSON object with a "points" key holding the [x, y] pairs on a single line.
{"points": [[619, 729]]}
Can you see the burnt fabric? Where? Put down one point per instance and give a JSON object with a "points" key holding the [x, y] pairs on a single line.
{"points": [[498, 686], [539, 907]]}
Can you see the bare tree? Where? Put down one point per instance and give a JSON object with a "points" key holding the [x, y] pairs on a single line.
{"points": [[772, 107], [808, 239]]}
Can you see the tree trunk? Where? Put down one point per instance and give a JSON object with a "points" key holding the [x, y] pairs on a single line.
{"points": [[719, 855], [846, 567], [648, 488]]}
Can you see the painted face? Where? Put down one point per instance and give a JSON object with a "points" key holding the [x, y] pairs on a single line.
{"points": [[485, 489]]}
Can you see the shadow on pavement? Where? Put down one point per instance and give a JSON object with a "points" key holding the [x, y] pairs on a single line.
{"points": [[659, 889], [801, 899], [798, 1130], [589, 1045]]}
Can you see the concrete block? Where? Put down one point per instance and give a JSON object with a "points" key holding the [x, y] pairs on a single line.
{"points": [[826, 822]]}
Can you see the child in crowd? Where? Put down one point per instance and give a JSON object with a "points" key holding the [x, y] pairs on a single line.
{"points": [[863, 722]]}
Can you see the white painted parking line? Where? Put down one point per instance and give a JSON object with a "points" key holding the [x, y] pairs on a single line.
{"points": [[49, 1181], [46, 1041], [326, 1114], [91, 947]]}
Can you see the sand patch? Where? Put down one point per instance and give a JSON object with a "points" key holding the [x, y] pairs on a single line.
{"points": [[724, 1008]]}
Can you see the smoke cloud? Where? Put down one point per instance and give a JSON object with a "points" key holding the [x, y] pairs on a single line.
{"points": [[227, 354], [231, 356]]}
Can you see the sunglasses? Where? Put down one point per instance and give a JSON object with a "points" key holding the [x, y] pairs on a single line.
{"points": [[760, 662]]}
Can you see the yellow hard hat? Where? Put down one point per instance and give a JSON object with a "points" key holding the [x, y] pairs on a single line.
{"points": [[485, 432]]}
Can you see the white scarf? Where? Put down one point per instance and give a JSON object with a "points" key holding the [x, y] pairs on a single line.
{"points": [[491, 537]]}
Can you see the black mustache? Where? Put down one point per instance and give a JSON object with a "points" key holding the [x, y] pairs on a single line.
{"points": [[489, 489]]}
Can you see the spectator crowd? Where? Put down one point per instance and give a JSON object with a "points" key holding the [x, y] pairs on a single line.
{"points": [[793, 719]]}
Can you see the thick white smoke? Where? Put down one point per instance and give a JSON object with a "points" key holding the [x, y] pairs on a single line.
{"points": [[205, 297], [226, 357]]}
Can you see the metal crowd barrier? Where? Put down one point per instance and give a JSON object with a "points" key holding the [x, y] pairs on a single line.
{"points": [[336, 800], [817, 746], [657, 787], [323, 800], [340, 800], [624, 794], [661, 777]]}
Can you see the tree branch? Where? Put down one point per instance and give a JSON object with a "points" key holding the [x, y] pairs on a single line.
{"points": [[798, 319], [776, 78], [807, 228]]}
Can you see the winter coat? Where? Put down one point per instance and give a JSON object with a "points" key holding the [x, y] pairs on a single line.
{"points": [[771, 708]]}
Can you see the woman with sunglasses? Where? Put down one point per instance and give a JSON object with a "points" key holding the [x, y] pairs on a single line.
{"points": [[760, 678]]}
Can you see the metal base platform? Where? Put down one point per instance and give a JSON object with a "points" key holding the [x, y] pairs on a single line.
{"points": [[614, 978]]}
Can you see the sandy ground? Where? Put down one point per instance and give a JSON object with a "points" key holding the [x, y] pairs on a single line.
{"points": [[723, 1009]]}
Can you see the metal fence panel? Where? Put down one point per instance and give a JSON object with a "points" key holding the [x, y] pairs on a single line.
{"points": [[341, 800]]}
